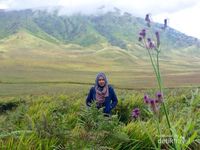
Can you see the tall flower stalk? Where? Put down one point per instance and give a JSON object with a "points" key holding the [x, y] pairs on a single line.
{"points": [[152, 45]]}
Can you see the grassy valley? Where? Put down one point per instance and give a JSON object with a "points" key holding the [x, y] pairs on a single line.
{"points": [[49, 61]]}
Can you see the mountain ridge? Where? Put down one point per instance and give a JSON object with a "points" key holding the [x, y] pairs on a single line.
{"points": [[86, 30]]}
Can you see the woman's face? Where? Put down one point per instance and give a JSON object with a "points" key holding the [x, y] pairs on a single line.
{"points": [[101, 81]]}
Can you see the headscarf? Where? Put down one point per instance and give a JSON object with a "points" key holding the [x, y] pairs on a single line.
{"points": [[101, 92]]}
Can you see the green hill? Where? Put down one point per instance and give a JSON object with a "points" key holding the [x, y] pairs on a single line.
{"points": [[111, 27], [38, 46]]}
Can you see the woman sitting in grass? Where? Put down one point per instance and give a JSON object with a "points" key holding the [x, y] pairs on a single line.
{"points": [[103, 94]]}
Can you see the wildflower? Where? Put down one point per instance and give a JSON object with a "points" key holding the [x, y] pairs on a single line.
{"points": [[147, 19], [158, 39], [150, 43], [154, 105], [135, 113], [146, 99], [159, 97], [140, 39], [143, 33], [165, 23]]}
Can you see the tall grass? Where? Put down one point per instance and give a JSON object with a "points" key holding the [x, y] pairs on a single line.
{"points": [[63, 122]]}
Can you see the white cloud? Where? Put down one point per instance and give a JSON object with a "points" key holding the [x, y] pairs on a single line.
{"points": [[141, 7], [24, 4], [134, 6], [3, 6], [185, 20]]}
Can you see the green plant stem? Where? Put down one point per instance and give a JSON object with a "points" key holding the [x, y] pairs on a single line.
{"points": [[156, 68], [159, 80], [152, 63], [158, 125], [158, 76]]}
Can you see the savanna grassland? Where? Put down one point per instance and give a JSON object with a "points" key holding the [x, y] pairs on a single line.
{"points": [[43, 95], [60, 120], [48, 64], [45, 63]]}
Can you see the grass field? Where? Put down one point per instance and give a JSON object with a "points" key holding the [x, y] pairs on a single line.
{"points": [[26, 59], [55, 117], [43, 87]]}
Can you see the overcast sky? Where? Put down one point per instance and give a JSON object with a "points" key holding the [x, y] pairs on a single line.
{"points": [[183, 15]]}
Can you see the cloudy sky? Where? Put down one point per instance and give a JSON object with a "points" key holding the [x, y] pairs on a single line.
{"points": [[183, 15]]}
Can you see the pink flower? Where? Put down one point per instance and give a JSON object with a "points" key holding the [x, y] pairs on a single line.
{"points": [[146, 99], [165, 23], [159, 97], [143, 33], [135, 113], [157, 39], [147, 19], [154, 103]]}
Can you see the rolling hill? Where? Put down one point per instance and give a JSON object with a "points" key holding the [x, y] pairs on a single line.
{"points": [[40, 46]]}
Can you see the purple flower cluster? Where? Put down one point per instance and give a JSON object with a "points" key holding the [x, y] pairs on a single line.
{"points": [[149, 43], [154, 103], [136, 113], [143, 34]]}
